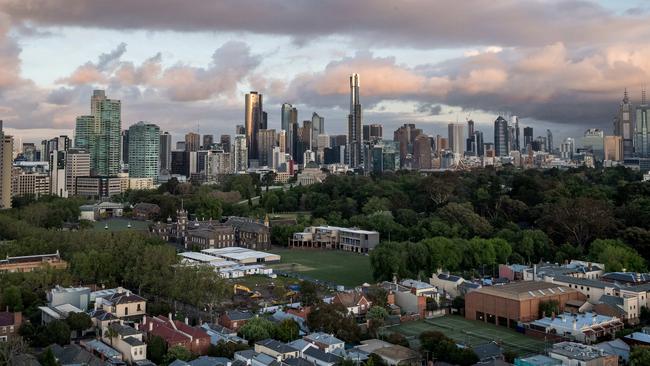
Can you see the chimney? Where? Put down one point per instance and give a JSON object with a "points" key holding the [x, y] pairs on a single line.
{"points": [[534, 272], [187, 321], [144, 319], [18, 319]]}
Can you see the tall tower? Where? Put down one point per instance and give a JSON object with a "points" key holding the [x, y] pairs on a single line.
{"points": [[501, 137], [354, 124], [549, 141], [516, 143], [641, 129], [77, 164], [317, 128], [6, 158], [144, 150], [623, 125], [105, 145], [456, 138], [254, 120], [528, 136], [166, 151]]}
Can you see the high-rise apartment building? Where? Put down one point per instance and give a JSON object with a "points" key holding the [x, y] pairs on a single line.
{"points": [[254, 119], [208, 140], [105, 145], [58, 185], [372, 132], [144, 150], [593, 141], [501, 137], [567, 148], [125, 146], [623, 125], [266, 143], [517, 144], [240, 154], [77, 164], [641, 131], [224, 140], [549, 141], [480, 146], [422, 152], [441, 144], [165, 151], [84, 132], [6, 159], [192, 141], [317, 128], [354, 124], [528, 137], [613, 146], [456, 138]]}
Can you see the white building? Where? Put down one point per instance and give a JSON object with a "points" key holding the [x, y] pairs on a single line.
{"points": [[584, 328]]}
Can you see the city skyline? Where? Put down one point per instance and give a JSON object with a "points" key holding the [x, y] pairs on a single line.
{"points": [[184, 72]]}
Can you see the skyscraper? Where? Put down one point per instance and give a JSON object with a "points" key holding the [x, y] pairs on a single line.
{"points": [[354, 124], [166, 151], [289, 123], [623, 125], [125, 146], [240, 154], [77, 164], [225, 143], [456, 138], [372, 132], [208, 140], [254, 119], [105, 144], [144, 150], [317, 128], [567, 148], [593, 141], [613, 148], [58, 185], [6, 158], [549, 141], [501, 137], [266, 143], [422, 152], [641, 131], [528, 136], [480, 147], [516, 143], [192, 141], [84, 132], [405, 136]]}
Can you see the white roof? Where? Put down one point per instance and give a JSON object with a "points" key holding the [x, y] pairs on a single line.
{"points": [[223, 264], [352, 230], [237, 253], [199, 257]]}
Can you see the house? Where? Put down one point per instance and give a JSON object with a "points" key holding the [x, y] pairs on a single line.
{"points": [[487, 352], [219, 333], [145, 211], [281, 315], [301, 345], [403, 299], [325, 342], [235, 319], [78, 297], [638, 338], [254, 358], [395, 355], [176, 333], [101, 319], [9, 324], [616, 347], [59, 312], [420, 288], [74, 355], [512, 272], [203, 361], [104, 351], [321, 358], [570, 353], [585, 328], [128, 341], [123, 304], [29, 263], [355, 302], [280, 351], [448, 283]]}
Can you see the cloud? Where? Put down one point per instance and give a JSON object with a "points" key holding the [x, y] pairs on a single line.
{"points": [[431, 109], [416, 23]]}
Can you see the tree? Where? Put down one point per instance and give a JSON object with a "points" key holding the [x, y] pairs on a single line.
{"points": [[111, 334], [375, 317], [616, 256], [548, 308], [156, 349], [376, 204], [11, 298], [47, 358], [58, 332], [463, 215], [257, 329], [333, 319], [79, 322], [309, 293], [10, 349], [287, 331], [225, 349], [177, 353], [640, 356]]}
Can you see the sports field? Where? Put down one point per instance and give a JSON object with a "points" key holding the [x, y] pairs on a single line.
{"points": [[337, 267], [470, 332]]}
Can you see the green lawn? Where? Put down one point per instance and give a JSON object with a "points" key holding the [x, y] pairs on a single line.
{"points": [[120, 224], [338, 267], [471, 332]]}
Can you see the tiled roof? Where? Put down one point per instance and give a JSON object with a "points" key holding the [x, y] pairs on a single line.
{"points": [[349, 299], [239, 314], [322, 356], [277, 346], [126, 297]]}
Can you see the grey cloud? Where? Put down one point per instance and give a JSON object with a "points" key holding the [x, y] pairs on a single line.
{"points": [[431, 109], [420, 23], [110, 59]]}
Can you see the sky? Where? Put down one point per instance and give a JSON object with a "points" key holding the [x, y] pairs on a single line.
{"points": [[186, 65]]}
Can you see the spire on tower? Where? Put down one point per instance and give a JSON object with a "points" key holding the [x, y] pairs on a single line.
{"points": [[643, 96], [626, 99]]}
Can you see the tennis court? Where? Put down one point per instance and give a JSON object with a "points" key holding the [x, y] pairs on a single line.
{"points": [[470, 333]]}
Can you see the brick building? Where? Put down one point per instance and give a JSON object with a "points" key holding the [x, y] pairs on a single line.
{"points": [[516, 302]]}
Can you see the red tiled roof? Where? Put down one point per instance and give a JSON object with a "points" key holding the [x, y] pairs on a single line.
{"points": [[194, 332], [349, 299]]}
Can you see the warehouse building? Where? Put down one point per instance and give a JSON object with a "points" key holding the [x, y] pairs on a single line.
{"points": [[510, 304]]}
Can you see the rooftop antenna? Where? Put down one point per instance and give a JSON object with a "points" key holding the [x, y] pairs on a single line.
{"points": [[643, 96]]}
